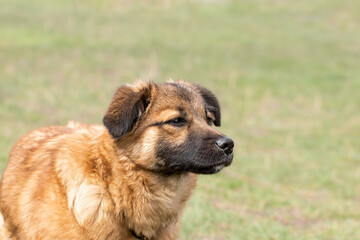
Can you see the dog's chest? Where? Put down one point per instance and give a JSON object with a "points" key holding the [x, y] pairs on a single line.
{"points": [[153, 206]]}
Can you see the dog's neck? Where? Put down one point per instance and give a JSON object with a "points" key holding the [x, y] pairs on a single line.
{"points": [[147, 198]]}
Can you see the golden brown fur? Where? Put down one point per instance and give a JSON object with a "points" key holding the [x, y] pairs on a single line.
{"points": [[94, 182]]}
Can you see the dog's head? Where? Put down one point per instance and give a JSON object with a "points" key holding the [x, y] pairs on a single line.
{"points": [[168, 127]]}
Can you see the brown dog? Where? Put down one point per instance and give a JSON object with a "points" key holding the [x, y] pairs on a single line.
{"points": [[127, 180]]}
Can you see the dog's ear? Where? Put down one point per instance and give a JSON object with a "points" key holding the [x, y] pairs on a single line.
{"points": [[211, 104], [126, 107]]}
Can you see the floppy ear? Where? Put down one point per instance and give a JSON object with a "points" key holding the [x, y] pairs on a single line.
{"points": [[127, 105], [212, 104]]}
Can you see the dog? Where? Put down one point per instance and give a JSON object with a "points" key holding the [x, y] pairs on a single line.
{"points": [[126, 179]]}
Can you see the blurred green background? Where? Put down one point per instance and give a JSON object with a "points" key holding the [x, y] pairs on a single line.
{"points": [[287, 74]]}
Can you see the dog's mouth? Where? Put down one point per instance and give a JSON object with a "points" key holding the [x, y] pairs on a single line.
{"points": [[200, 167], [214, 167]]}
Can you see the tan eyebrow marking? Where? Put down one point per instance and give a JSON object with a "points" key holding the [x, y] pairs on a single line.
{"points": [[168, 114]]}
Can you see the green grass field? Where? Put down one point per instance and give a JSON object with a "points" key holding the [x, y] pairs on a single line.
{"points": [[287, 74]]}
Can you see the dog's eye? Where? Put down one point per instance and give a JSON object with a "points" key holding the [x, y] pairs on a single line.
{"points": [[177, 122], [209, 120]]}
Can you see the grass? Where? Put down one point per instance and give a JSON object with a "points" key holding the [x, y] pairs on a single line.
{"points": [[286, 73]]}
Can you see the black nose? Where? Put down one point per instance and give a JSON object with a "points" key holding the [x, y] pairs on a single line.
{"points": [[225, 144]]}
